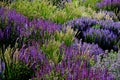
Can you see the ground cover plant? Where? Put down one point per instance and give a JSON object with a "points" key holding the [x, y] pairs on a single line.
{"points": [[59, 40]]}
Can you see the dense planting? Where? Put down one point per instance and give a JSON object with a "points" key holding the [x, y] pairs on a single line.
{"points": [[111, 5], [106, 33], [59, 40], [43, 9]]}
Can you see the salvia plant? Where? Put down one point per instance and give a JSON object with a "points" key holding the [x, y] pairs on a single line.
{"points": [[76, 64], [111, 5], [41, 30], [93, 49], [17, 28], [34, 58], [46, 61], [12, 26], [98, 35], [82, 44], [108, 3], [85, 25]]}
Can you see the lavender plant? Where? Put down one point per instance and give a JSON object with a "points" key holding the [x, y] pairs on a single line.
{"points": [[41, 30], [111, 61], [76, 65], [47, 65], [34, 58], [12, 26], [50, 51], [16, 27]]}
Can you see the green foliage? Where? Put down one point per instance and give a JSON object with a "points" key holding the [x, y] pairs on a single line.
{"points": [[97, 26], [101, 15], [90, 3], [2, 4], [44, 9], [34, 9], [52, 51], [52, 48], [92, 61], [69, 12], [10, 55], [19, 71], [14, 69], [59, 17], [55, 76], [66, 37], [55, 2]]}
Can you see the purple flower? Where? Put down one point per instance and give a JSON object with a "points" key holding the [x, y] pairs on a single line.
{"points": [[45, 25], [108, 3], [35, 59], [106, 36], [2, 67]]}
